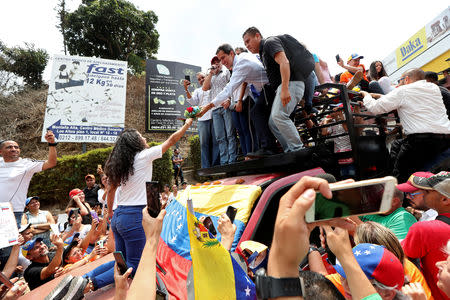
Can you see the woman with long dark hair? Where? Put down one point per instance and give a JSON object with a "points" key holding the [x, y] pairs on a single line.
{"points": [[378, 73], [130, 166]]}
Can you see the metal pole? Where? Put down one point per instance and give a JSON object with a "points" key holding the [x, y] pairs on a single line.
{"points": [[83, 145]]}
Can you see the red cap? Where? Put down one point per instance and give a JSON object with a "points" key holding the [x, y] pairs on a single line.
{"points": [[214, 59], [407, 187], [74, 192]]}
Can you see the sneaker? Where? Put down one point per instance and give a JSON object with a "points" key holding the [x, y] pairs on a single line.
{"points": [[61, 289], [76, 289]]}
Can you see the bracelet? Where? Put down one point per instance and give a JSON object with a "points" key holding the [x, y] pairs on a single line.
{"points": [[52, 144]]}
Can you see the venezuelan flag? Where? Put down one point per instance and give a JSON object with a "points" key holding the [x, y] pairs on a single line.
{"points": [[174, 250]]}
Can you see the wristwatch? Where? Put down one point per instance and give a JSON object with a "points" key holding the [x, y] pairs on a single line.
{"points": [[271, 287]]}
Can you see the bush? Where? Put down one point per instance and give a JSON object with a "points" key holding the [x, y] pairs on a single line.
{"points": [[53, 185]]}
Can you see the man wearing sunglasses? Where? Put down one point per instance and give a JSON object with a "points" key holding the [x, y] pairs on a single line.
{"points": [[416, 198]]}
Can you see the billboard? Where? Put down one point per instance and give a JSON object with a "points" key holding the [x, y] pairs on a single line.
{"points": [[424, 46], [165, 95], [86, 99]]}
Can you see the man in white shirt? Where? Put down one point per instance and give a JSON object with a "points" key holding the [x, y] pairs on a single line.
{"points": [[208, 143], [16, 173], [224, 129], [424, 119], [249, 69]]}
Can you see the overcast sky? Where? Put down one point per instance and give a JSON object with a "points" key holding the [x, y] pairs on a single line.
{"points": [[190, 31]]}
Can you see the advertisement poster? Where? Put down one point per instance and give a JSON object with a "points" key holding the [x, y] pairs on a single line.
{"points": [[86, 99], [165, 94], [8, 227]]}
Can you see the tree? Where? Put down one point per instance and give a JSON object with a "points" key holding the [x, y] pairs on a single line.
{"points": [[113, 29], [27, 62]]}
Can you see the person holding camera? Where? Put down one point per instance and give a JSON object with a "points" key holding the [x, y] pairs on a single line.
{"points": [[215, 82], [209, 147]]}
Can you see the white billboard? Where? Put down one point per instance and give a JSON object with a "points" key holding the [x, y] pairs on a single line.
{"points": [[86, 99]]}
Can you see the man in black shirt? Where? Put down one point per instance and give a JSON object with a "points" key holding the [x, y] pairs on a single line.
{"points": [[433, 78], [91, 190], [288, 64], [41, 270]]}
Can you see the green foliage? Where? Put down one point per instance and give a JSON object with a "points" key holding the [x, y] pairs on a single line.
{"points": [[54, 185], [113, 29], [27, 62], [195, 152]]}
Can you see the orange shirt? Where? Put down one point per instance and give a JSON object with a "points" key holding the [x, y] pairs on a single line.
{"points": [[347, 76], [411, 271]]}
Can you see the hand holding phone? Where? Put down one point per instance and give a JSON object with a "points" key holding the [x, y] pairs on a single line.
{"points": [[153, 203], [188, 78], [118, 256], [210, 225], [94, 215], [354, 199], [338, 58], [231, 213]]}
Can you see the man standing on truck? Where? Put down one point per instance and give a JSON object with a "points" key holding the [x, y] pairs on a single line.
{"points": [[288, 64], [424, 119]]}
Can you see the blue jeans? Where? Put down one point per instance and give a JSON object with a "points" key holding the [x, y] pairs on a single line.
{"points": [[279, 122], [208, 144], [240, 120], [260, 113], [103, 275], [310, 85], [225, 135]]}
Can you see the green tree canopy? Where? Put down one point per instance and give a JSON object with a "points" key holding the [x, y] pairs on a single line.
{"points": [[26, 62], [113, 29]]}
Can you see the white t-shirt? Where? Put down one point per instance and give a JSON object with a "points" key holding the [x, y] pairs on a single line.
{"points": [[15, 179], [133, 192]]}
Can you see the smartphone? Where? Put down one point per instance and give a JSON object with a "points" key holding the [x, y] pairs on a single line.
{"points": [[94, 215], [55, 229], [153, 203], [76, 213], [188, 78], [5, 280], [210, 225], [338, 57], [118, 256], [100, 243], [359, 198], [231, 213]]}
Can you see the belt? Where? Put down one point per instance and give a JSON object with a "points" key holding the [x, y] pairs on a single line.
{"points": [[429, 135]]}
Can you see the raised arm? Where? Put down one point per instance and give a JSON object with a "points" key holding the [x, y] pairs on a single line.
{"points": [[52, 156], [176, 136], [56, 261], [144, 282]]}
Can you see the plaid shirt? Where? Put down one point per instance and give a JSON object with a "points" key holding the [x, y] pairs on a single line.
{"points": [[218, 82]]}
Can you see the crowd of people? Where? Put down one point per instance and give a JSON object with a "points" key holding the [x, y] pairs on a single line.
{"points": [[399, 254]]}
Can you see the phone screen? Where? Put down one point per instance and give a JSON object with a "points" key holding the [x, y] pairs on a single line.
{"points": [[347, 202], [153, 203], [118, 256], [187, 77], [231, 213], [210, 225], [337, 58]]}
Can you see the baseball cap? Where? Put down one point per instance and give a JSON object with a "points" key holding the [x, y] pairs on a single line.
{"points": [[377, 263], [439, 182], [215, 59], [24, 227], [70, 239], [67, 250], [354, 56], [30, 245], [74, 192], [408, 187], [89, 176], [29, 199]]}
